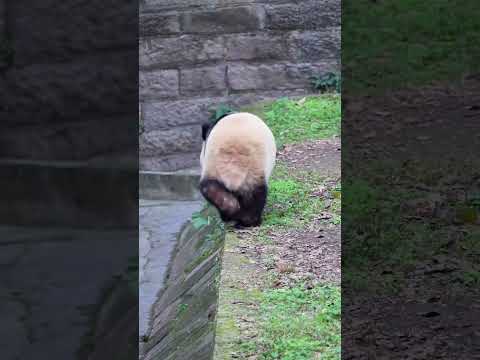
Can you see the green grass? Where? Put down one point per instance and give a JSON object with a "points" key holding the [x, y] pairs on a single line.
{"points": [[374, 231], [289, 202], [297, 324], [294, 121], [392, 44], [384, 238]]}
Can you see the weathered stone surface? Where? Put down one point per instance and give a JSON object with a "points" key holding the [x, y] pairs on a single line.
{"points": [[159, 224], [185, 50], [236, 53], [203, 80], [3, 17], [41, 304], [255, 46], [163, 142], [158, 24], [169, 186], [69, 142], [224, 20], [167, 114], [12, 311], [256, 96], [300, 74], [159, 84], [184, 316], [256, 77], [170, 162], [274, 76], [155, 5], [312, 15], [117, 343], [41, 195], [96, 85], [37, 41], [315, 45]]}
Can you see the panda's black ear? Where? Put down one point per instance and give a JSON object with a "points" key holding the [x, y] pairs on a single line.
{"points": [[205, 129]]}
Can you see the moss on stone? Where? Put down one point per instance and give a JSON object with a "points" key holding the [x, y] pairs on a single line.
{"points": [[239, 296]]}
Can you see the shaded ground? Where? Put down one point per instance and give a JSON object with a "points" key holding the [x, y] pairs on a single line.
{"points": [[422, 299]]}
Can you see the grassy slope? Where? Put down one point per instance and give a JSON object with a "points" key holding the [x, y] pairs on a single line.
{"points": [[297, 323]]}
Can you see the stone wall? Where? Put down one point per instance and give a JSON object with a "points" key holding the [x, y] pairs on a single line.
{"points": [[195, 55], [66, 88], [183, 318]]}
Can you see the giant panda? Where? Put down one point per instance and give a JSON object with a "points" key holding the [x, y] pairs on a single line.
{"points": [[237, 158]]}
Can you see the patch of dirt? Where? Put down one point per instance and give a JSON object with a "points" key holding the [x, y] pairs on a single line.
{"points": [[322, 156], [434, 312], [302, 255], [434, 122], [311, 254], [284, 257], [432, 317], [421, 330]]}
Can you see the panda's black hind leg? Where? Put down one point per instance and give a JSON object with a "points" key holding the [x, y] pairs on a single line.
{"points": [[251, 207]]}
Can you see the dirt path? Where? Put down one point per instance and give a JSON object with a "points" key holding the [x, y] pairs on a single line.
{"points": [[322, 156], [281, 257], [311, 254]]}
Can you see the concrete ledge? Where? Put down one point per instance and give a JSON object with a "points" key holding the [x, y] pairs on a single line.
{"points": [[68, 195], [183, 317], [182, 185]]}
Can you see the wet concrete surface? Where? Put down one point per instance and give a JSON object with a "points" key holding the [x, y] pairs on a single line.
{"points": [[46, 312], [160, 222]]}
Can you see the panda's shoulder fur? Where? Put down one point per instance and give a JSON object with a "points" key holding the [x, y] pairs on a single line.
{"points": [[208, 126]]}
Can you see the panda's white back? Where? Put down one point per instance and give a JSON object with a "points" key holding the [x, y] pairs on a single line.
{"points": [[240, 150]]}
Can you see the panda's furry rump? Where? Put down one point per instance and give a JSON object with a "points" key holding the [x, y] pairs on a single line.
{"points": [[219, 196], [235, 166], [237, 158]]}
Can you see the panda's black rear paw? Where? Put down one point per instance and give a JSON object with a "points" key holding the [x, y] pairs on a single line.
{"points": [[247, 224], [239, 226]]}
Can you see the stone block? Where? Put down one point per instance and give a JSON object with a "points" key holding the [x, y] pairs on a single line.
{"points": [[314, 45], [243, 77], [203, 80], [299, 75], [101, 84], [95, 26], [69, 141], [247, 99], [185, 50], [157, 24], [255, 46], [310, 15], [224, 20], [183, 139], [256, 76], [167, 5], [159, 84], [168, 114], [170, 162]]}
